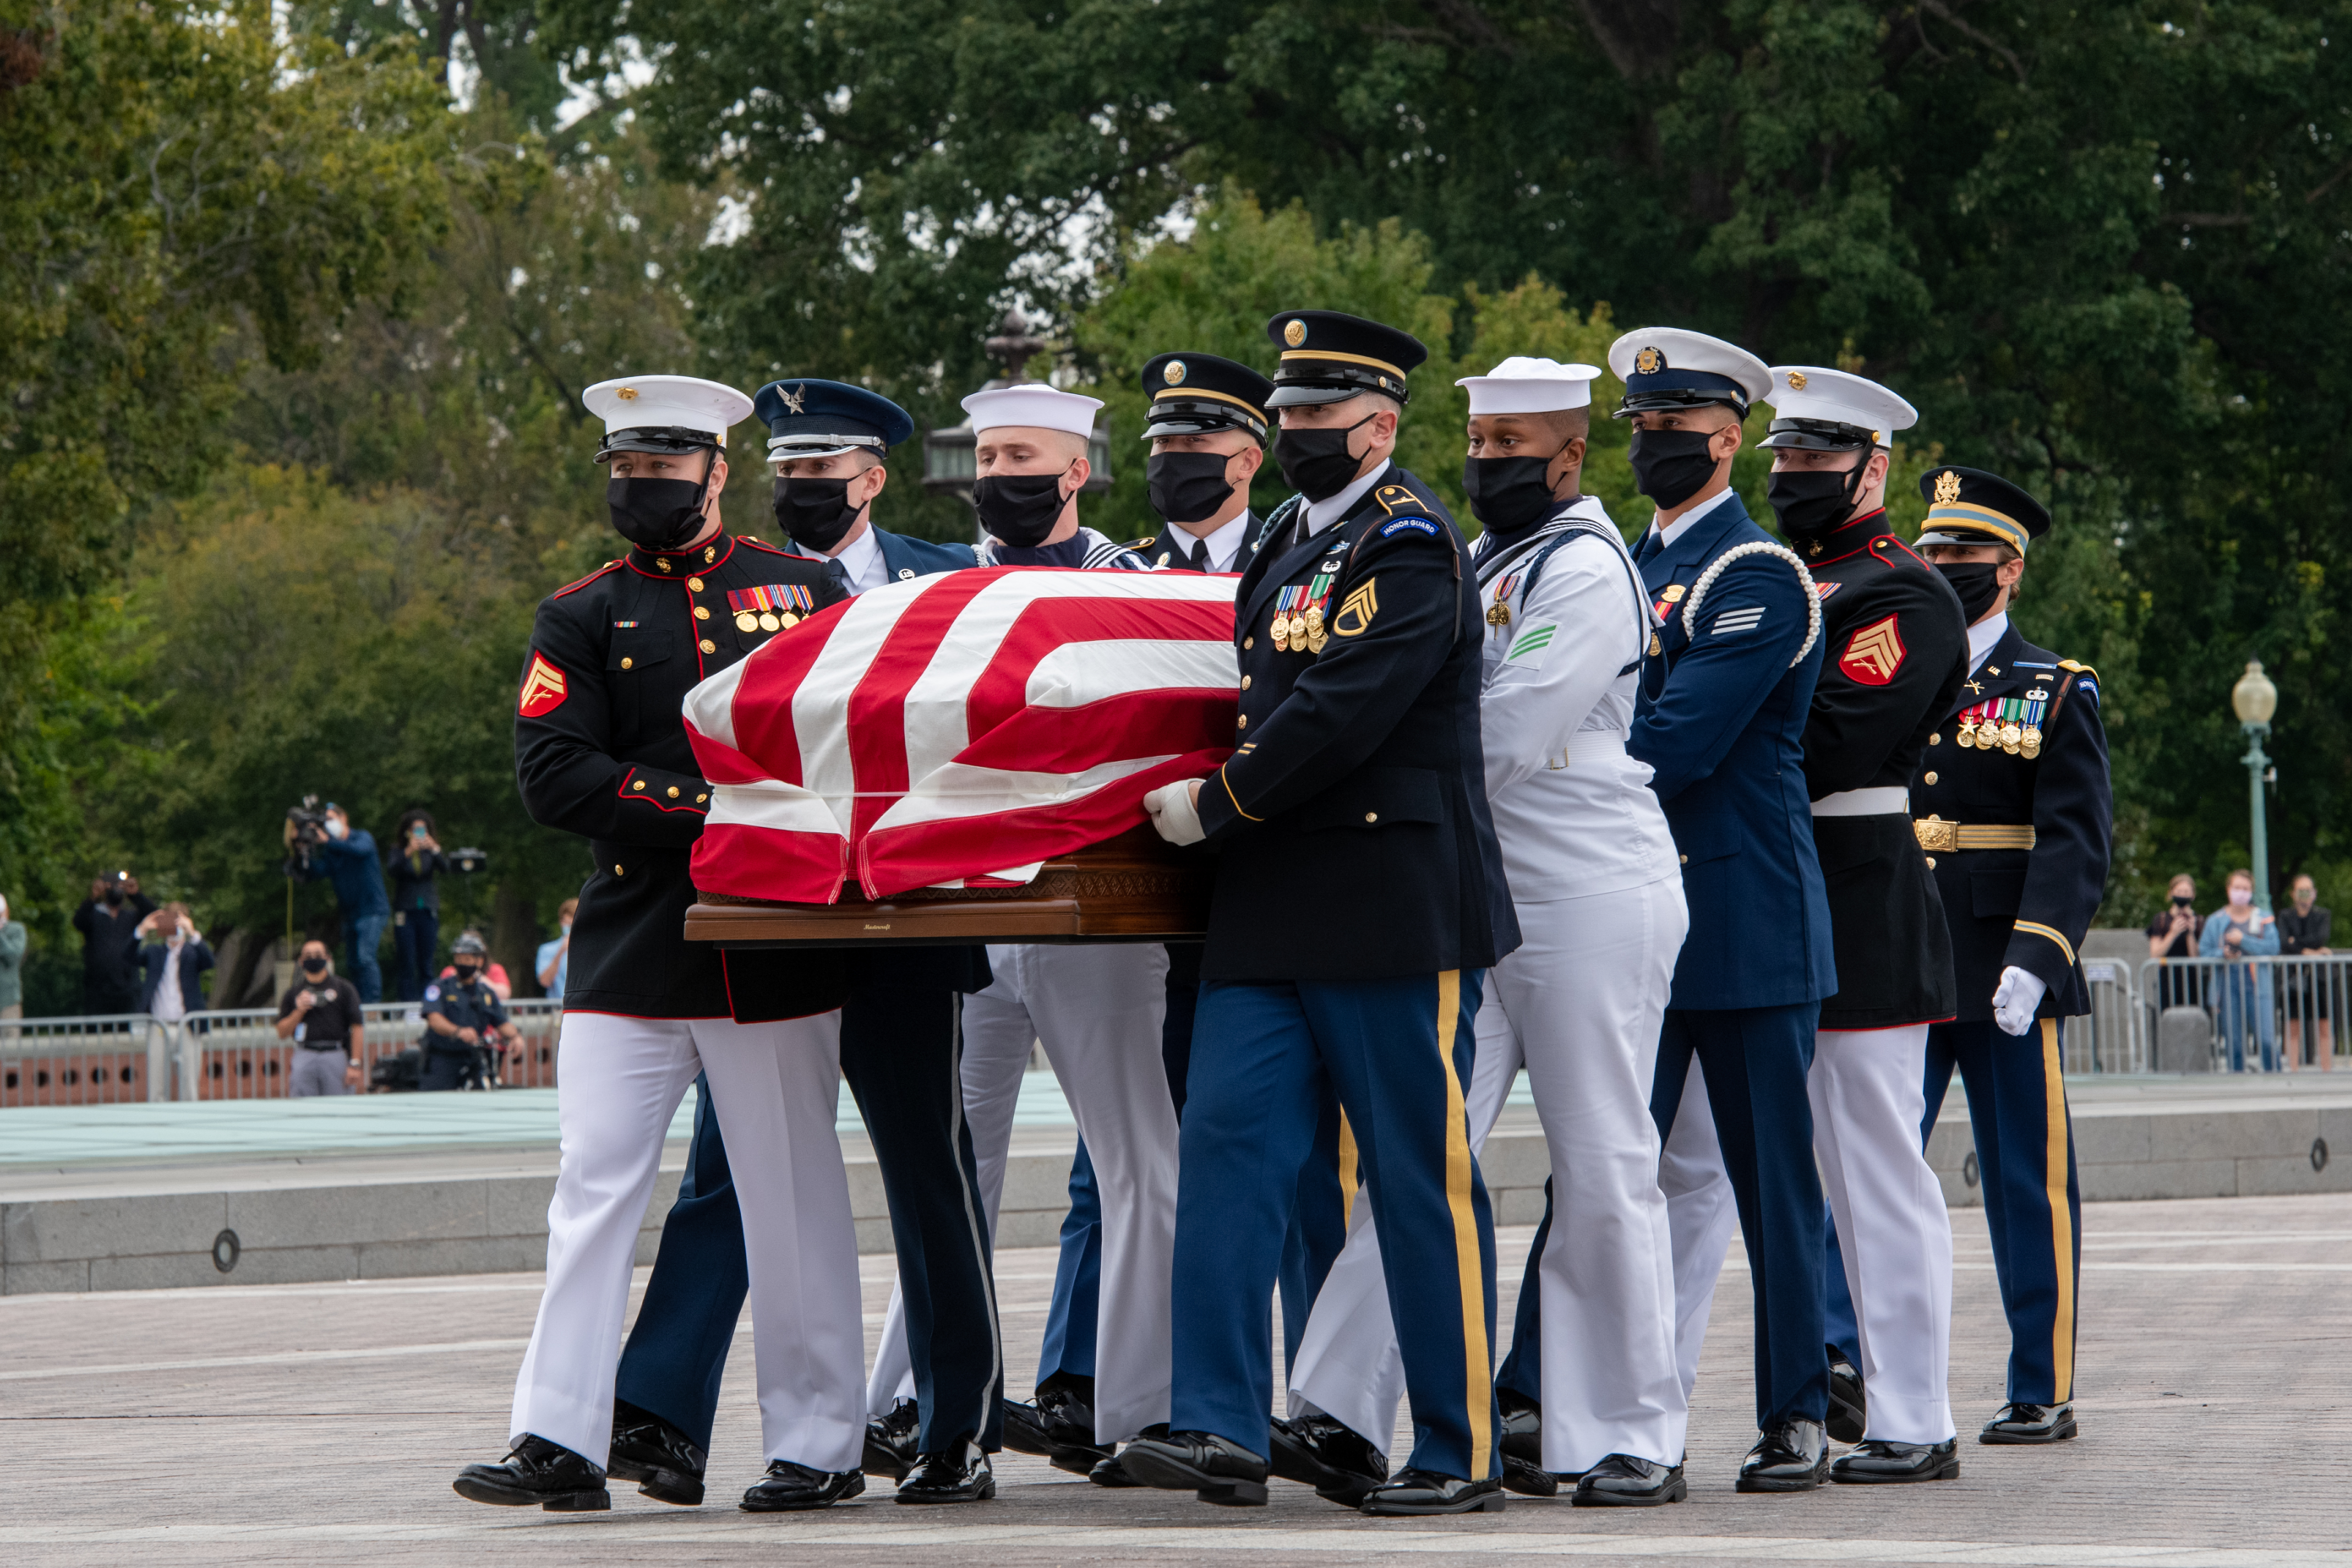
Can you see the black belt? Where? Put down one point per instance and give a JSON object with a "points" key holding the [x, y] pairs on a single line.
{"points": [[329, 1046]]}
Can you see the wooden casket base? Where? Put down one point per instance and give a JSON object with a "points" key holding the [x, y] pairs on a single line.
{"points": [[1134, 888]]}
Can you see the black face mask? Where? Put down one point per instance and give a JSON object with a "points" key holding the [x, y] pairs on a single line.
{"points": [[113, 894], [1186, 487], [1813, 502], [815, 514], [1978, 584], [1316, 463], [467, 970], [314, 967], [1019, 510], [656, 514], [1672, 466], [2182, 900], [1508, 494]]}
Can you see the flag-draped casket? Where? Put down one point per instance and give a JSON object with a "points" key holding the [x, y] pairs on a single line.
{"points": [[942, 758]]}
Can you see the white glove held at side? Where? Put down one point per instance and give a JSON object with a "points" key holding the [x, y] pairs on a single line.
{"points": [[2015, 998], [1173, 813]]}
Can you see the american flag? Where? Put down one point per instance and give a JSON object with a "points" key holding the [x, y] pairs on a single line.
{"points": [[960, 729]]}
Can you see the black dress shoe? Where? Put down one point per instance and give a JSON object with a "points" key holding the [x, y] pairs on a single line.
{"points": [[537, 1471], [1067, 1416], [2030, 1424], [794, 1489], [1112, 1473], [1338, 1461], [1880, 1461], [1522, 1469], [666, 1464], [1626, 1481], [1024, 1429], [1793, 1456], [1849, 1405], [891, 1441], [953, 1474], [1215, 1470], [1411, 1492]]}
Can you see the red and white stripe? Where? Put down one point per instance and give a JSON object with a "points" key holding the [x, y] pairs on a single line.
{"points": [[960, 728]]}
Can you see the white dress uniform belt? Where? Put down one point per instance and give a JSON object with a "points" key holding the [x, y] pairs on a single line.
{"points": [[1887, 800], [1589, 746], [1940, 838]]}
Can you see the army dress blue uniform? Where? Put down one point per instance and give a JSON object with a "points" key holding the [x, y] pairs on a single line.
{"points": [[899, 1043]]}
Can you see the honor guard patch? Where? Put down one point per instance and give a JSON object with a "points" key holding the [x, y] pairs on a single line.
{"points": [[1360, 606], [543, 688], [1409, 525], [1874, 654]]}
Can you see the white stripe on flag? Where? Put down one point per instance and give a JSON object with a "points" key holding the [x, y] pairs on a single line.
{"points": [[710, 706], [959, 791], [772, 803], [1078, 673]]}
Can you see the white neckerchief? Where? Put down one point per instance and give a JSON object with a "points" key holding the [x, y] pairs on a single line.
{"points": [[1322, 514], [1681, 525], [1223, 543], [861, 561], [1982, 636]]}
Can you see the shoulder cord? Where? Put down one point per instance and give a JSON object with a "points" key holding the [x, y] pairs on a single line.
{"points": [[1276, 521], [1758, 547]]}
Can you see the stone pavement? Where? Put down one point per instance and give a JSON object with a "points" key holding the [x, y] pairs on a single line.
{"points": [[322, 1422]]}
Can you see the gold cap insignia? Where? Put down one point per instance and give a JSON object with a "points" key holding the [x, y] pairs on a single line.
{"points": [[1174, 373], [1649, 362], [1947, 488], [1796, 380], [627, 395], [1294, 332]]}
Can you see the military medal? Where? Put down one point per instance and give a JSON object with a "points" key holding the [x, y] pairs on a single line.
{"points": [[770, 623], [1499, 613], [1308, 631], [769, 608], [1281, 627], [2012, 734], [747, 621]]}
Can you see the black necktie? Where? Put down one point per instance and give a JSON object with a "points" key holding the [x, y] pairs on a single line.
{"points": [[836, 577], [1200, 561], [1651, 542]]}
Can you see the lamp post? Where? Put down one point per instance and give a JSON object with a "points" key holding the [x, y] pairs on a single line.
{"points": [[2255, 700], [948, 454]]}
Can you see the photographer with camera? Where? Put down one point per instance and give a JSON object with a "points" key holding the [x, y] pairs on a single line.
{"points": [[324, 844], [321, 1015], [416, 860], [109, 922], [463, 1015]]}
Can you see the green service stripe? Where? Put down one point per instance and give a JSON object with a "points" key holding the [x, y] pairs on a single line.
{"points": [[1539, 638]]}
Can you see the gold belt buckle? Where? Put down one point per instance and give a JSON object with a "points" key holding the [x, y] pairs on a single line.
{"points": [[1936, 835]]}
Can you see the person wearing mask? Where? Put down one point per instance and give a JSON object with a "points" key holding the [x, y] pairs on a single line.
{"points": [[175, 953], [347, 858], [462, 1015], [556, 955], [2303, 929], [2012, 807], [900, 1041], [2173, 934], [1030, 452], [1597, 887], [322, 1015], [2240, 931], [12, 965], [1207, 432], [416, 861], [109, 922], [494, 974]]}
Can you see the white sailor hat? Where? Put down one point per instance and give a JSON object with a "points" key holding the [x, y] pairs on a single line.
{"points": [[1822, 410], [1034, 405], [1524, 384], [1667, 367], [663, 412]]}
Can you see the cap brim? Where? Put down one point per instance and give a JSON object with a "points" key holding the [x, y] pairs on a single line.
{"points": [[647, 441], [1297, 394]]}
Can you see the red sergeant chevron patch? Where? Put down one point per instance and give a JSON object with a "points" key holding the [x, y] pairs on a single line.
{"points": [[542, 688], [1874, 654]]}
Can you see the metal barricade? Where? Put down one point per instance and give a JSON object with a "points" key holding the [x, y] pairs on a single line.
{"points": [[2109, 1038], [225, 1053], [2245, 1015]]}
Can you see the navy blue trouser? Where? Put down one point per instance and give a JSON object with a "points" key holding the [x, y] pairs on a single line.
{"points": [[901, 1049], [415, 941], [1396, 1055], [1755, 1059]]}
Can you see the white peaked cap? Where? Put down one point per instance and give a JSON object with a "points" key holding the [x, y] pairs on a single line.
{"points": [[1034, 405], [673, 401], [1524, 384], [1677, 359], [1809, 392]]}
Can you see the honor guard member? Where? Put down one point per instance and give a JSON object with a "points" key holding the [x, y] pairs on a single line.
{"points": [[828, 444], [1208, 431], [462, 1017], [2015, 812], [1599, 896], [601, 750], [1897, 649], [1030, 476], [1359, 898], [1726, 684]]}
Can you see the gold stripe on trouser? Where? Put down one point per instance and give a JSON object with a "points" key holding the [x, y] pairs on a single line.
{"points": [[1477, 1378], [2061, 1219], [1347, 1172]]}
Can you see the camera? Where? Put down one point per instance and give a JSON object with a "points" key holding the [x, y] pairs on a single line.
{"points": [[305, 828], [468, 860]]}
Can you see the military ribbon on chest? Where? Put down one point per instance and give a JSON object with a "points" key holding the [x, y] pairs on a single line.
{"points": [[771, 607], [1299, 613], [2012, 724]]}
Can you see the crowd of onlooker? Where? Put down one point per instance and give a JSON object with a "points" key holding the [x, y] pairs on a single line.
{"points": [[2246, 998]]}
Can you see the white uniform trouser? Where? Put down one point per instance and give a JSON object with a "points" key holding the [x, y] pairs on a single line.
{"points": [[1703, 1215], [1096, 1009], [1581, 1003], [1892, 1228], [775, 1087]]}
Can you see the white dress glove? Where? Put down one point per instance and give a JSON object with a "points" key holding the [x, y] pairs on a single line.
{"points": [[2015, 998], [1172, 812]]}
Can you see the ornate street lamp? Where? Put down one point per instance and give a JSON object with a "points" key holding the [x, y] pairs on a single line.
{"points": [[2255, 700], [947, 460]]}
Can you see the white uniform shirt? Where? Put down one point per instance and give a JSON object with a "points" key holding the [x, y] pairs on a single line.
{"points": [[1574, 815], [861, 561], [1981, 637]]}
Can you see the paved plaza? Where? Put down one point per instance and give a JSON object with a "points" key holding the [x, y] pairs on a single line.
{"points": [[322, 1422]]}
